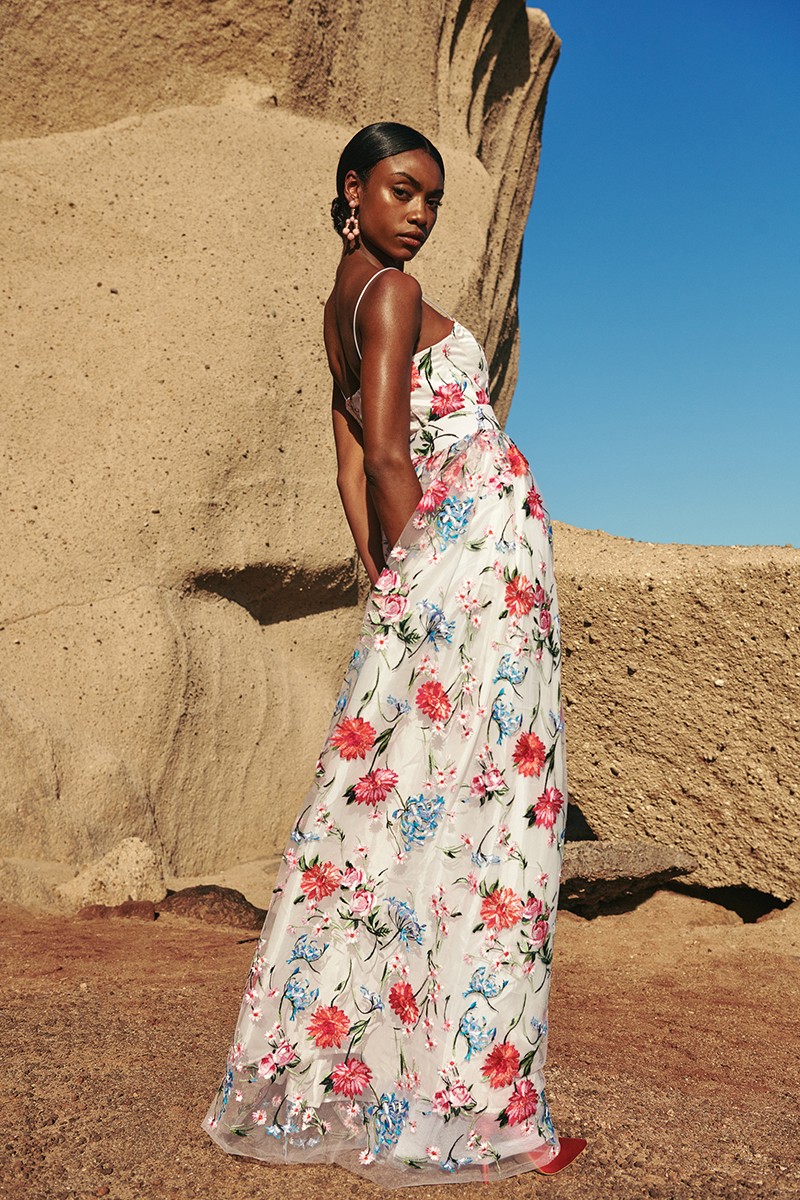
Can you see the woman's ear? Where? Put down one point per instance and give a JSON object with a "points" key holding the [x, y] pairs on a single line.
{"points": [[352, 187]]}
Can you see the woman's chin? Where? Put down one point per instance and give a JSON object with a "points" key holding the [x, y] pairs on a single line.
{"points": [[409, 250]]}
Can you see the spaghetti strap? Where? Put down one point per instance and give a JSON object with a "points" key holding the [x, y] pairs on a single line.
{"points": [[358, 301], [366, 285], [438, 307]]}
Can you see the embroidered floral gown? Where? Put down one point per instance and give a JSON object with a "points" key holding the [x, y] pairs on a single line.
{"points": [[395, 1016]]}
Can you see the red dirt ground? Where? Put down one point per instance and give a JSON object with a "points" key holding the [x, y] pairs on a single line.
{"points": [[673, 1049]]}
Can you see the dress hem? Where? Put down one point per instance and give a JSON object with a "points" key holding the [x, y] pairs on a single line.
{"points": [[395, 1178]]}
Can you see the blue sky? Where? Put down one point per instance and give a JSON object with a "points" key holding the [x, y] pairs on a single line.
{"points": [[659, 385]]}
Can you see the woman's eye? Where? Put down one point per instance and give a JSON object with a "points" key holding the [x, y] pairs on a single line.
{"points": [[401, 193]]}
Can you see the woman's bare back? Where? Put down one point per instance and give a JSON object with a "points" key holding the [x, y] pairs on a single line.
{"points": [[343, 355]]}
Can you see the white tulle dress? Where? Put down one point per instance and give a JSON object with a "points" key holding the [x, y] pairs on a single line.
{"points": [[394, 1021]]}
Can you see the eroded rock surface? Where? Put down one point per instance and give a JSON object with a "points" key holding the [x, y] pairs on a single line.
{"points": [[682, 685], [214, 905], [596, 873], [179, 591], [131, 871]]}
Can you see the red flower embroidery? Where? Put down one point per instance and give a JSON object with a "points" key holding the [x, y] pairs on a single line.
{"points": [[447, 399], [523, 1102], [533, 503], [519, 595], [529, 754], [353, 737], [328, 1026], [501, 909], [501, 1065], [320, 880], [433, 497], [517, 462], [433, 700], [548, 806], [401, 998], [350, 1077], [373, 788]]}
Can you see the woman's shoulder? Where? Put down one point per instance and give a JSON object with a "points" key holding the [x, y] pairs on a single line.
{"points": [[387, 294], [391, 293], [391, 281], [388, 284]]}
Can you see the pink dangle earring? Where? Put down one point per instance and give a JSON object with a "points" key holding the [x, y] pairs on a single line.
{"points": [[350, 230]]}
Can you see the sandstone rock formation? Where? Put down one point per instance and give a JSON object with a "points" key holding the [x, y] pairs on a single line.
{"points": [[595, 874], [215, 905], [131, 871], [179, 589], [682, 684]]}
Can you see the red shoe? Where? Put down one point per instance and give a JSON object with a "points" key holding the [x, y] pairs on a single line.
{"points": [[569, 1151]]}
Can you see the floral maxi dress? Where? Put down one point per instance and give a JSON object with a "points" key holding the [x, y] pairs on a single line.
{"points": [[395, 1016]]}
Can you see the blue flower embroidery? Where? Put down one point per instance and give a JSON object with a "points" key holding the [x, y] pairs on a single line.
{"points": [[299, 994], [510, 669], [503, 715], [307, 950], [227, 1086], [483, 860], [408, 924], [452, 517], [557, 722], [389, 1116], [485, 985], [437, 627], [297, 835], [419, 819], [373, 998], [475, 1031]]}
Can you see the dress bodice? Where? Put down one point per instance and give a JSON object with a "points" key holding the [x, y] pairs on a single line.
{"points": [[449, 390]]}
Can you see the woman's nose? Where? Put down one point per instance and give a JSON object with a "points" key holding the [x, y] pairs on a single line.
{"points": [[418, 214]]}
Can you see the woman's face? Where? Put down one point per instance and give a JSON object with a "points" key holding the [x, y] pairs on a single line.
{"points": [[398, 205]]}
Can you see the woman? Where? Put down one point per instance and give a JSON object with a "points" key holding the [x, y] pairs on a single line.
{"points": [[395, 1017]]}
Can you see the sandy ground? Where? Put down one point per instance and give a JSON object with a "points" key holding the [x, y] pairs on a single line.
{"points": [[673, 1050]]}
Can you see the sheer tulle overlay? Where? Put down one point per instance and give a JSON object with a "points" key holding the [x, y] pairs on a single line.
{"points": [[395, 1016]]}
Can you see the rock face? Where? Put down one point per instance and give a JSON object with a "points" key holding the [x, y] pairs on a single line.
{"points": [[131, 871], [682, 685], [179, 591], [215, 905], [595, 874]]}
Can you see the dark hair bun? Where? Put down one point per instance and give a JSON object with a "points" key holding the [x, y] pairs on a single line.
{"points": [[340, 211]]}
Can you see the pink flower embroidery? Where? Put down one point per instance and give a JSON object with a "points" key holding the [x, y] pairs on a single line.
{"points": [[375, 787], [548, 806], [448, 398], [351, 1077], [392, 608]]}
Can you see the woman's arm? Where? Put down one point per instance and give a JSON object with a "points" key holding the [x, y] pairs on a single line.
{"points": [[390, 327], [352, 483]]}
